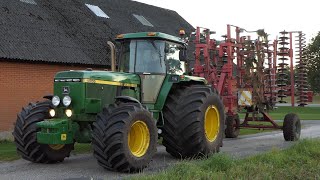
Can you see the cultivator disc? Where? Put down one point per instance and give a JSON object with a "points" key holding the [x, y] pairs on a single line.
{"points": [[282, 76], [301, 81], [270, 76]]}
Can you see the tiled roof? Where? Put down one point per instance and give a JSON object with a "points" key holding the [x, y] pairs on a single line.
{"points": [[67, 31]]}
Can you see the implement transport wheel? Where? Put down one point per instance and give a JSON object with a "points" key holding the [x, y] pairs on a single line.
{"points": [[194, 121], [124, 138], [232, 126], [25, 136], [291, 127]]}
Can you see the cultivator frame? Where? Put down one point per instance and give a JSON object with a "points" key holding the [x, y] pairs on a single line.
{"points": [[215, 61]]}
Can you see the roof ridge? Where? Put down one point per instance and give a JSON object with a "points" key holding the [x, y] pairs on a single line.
{"points": [[152, 5]]}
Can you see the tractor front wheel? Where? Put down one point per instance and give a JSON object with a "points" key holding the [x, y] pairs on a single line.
{"points": [[25, 136], [125, 139], [291, 127]]}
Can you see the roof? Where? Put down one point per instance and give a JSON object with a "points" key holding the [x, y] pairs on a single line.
{"points": [[76, 31], [155, 35]]}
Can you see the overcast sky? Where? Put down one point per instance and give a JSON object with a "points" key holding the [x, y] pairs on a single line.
{"points": [[271, 15]]}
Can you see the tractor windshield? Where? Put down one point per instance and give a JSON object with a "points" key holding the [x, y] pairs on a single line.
{"points": [[143, 56]]}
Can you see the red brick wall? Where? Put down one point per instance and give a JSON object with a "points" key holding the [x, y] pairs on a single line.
{"points": [[21, 83]]}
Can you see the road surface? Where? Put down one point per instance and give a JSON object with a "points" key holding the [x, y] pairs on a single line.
{"points": [[84, 167]]}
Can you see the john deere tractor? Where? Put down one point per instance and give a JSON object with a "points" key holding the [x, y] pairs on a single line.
{"points": [[121, 112]]}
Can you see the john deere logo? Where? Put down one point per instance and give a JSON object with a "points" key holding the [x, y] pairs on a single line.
{"points": [[65, 90]]}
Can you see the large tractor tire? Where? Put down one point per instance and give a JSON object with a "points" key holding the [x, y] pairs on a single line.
{"points": [[25, 136], [124, 138], [232, 126], [291, 127], [193, 121]]}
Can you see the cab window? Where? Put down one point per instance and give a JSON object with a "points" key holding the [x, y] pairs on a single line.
{"points": [[150, 56], [143, 56], [173, 63]]}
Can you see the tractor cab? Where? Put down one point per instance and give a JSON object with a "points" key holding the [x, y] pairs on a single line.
{"points": [[151, 55]]}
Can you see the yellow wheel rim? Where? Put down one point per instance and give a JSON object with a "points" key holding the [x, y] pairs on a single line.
{"points": [[139, 138], [211, 123], [56, 146]]}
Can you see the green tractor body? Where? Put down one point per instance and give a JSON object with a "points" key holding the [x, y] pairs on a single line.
{"points": [[128, 105]]}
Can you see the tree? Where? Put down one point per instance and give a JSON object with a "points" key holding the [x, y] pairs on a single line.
{"points": [[312, 54]]}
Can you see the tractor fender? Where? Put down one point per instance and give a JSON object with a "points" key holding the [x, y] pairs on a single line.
{"points": [[48, 96], [126, 99], [193, 79]]}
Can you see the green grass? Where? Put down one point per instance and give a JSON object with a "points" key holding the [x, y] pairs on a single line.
{"points": [[255, 131], [305, 113], [301, 161], [315, 100], [8, 150]]}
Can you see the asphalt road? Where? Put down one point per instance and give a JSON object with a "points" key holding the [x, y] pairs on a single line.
{"points": [[85, 167]]}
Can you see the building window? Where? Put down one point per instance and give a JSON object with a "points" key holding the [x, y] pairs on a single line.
{"points": [[29, 1], [97, 11], [143, 20]]}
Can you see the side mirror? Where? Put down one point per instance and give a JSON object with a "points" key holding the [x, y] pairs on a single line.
{"points": [[183, 55]]}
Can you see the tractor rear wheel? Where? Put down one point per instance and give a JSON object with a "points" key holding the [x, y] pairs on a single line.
{"points": [[193, 121], [125, 139], [291, 127], [25, 136], [232, 126]]}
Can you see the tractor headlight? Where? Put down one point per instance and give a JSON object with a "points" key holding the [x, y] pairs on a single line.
{"points": [[66, 101], [55, 100], [52, 112], [68, 112]]}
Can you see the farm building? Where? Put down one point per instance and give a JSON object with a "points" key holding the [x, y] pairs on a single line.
{"points": [[40, 37]]}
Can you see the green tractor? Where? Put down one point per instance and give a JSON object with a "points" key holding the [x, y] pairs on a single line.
{"points": [[121, 112]]}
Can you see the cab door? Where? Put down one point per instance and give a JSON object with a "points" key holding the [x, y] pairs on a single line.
{"points": [[150, 65], [151, 85]]}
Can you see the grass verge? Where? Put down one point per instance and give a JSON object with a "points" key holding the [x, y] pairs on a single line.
{"points": [[301, 161], [8, 150]]}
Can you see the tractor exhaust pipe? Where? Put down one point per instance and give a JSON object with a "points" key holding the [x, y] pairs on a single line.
{"points": [[113, 55]]}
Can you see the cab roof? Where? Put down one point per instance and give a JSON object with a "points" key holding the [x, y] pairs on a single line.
{"points": [[153, 35]]}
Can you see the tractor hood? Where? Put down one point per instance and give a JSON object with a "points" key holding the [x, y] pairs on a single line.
{"points": [[99, 76]]}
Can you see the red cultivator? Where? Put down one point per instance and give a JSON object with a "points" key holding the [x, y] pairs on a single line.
{"points": [[245, 73]]}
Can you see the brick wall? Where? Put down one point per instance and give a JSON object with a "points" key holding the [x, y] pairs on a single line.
{"points": [[21, 83]]}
